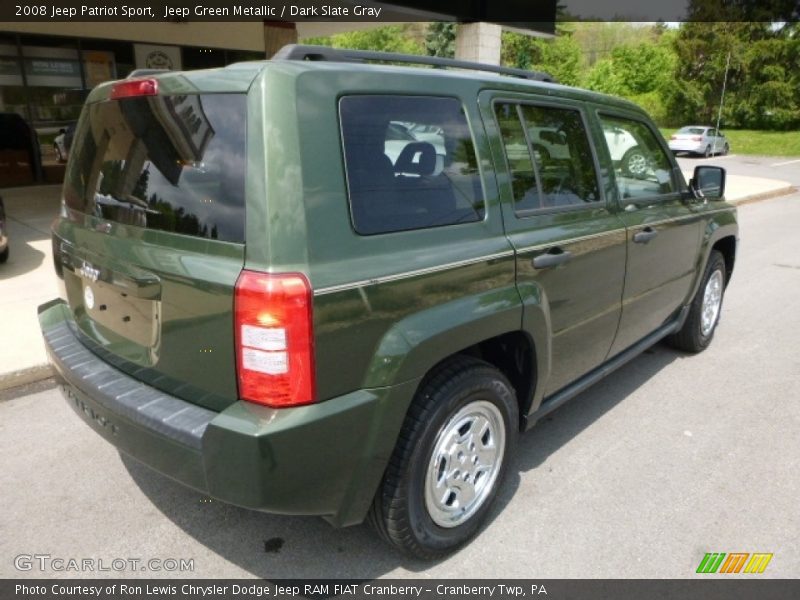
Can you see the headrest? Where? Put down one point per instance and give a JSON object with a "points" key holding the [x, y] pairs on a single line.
{"points": [[418, 158]]}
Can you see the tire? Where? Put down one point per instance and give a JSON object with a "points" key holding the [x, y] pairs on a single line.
{"points": [[416, 508], [4, 255], [725, 149], [698, 330], [707, 153], [634, 163]]}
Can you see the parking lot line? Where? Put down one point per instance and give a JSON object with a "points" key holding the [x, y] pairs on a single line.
{"points": [[788, 162]]}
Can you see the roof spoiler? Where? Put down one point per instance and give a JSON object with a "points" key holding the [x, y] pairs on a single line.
{"points": [[146, 72]]}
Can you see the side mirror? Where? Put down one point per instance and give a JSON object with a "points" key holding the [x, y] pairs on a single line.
{"points": [[708, 183]]}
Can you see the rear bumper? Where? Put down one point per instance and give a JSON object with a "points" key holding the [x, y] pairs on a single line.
{"points": [[679, 146], [324, 459]]}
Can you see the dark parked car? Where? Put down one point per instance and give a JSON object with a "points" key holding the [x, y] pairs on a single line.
{"points": [[272, 296], [20, 155]]}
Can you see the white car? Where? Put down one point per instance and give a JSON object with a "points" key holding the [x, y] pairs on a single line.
{"points": [[699, 139], [622, 146]]}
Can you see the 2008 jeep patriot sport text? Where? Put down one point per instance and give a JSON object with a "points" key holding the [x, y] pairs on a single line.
{"points": [[328, 287]]}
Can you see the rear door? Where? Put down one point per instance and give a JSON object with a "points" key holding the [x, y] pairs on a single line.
{"points": [[570, 247], [151, 238], [663, 234]]}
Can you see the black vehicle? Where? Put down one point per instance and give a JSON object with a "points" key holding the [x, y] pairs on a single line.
{"points": [[20, 157]]}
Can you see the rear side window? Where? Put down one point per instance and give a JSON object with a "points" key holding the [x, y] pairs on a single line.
{"points": [[549, 157], [410, 163], [171, 163]]}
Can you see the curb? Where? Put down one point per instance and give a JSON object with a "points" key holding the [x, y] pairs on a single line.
{"points": [[25, 376], [764, 196]]}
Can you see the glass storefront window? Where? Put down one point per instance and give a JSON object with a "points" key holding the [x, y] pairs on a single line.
{"points": [[46, 79], [104, 60]]}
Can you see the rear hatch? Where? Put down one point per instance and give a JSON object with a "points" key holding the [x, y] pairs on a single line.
{"points": [[151, 237]]}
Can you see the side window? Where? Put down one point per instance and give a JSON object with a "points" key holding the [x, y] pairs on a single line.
{"points": [[560, 172], [410, 163], [641, 166], [520, 165], [563, 156]]}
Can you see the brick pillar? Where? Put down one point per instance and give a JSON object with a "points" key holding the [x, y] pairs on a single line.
{"points": [[479, 42], [277, 34]]}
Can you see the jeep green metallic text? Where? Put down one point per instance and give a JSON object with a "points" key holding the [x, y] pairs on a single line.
{"points": [[338, 288]]}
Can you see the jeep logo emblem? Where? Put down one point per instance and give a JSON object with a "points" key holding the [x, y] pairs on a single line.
{"points": [[88, 271]]}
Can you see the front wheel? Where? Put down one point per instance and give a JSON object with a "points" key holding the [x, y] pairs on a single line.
{"points": [[4, 255], [634, 163], [698, 330], [450, 458]]}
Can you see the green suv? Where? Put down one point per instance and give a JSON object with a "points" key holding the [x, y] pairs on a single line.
{"points": [[321, 286]]}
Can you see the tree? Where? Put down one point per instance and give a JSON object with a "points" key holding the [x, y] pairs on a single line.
{"points": [[763, 80], [392, 38], [560, 56], [440, 39]]}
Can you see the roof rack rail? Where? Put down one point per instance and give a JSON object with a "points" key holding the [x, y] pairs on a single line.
{"points": [[326, 53]]}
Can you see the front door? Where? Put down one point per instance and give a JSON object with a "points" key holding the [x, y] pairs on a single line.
{"points": [[664, 234]]}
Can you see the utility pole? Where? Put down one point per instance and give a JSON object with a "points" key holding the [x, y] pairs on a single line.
{"points": [[722, 97]]}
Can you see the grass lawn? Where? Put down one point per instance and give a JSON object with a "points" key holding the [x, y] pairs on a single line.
{"points": [[766, 143]]}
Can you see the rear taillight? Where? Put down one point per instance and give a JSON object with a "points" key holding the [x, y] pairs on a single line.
{"points": [[698, 138], [274, 339], [132, 88]]}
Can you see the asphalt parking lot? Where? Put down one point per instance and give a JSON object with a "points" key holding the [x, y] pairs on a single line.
{"points": [[669, 458]]}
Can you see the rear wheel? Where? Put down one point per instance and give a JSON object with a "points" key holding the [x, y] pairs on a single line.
{"points": [[707, 152], [450, 458], [698, 330]]}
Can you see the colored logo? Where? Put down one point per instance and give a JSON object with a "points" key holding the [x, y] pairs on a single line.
{"points": [[735, 562]]}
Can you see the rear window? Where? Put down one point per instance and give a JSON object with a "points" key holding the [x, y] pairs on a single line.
{"points": [[171, 163], [692, 130]]}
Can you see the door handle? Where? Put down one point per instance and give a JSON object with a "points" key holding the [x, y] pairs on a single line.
{"points": [[551, 258], [645, 235]]}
